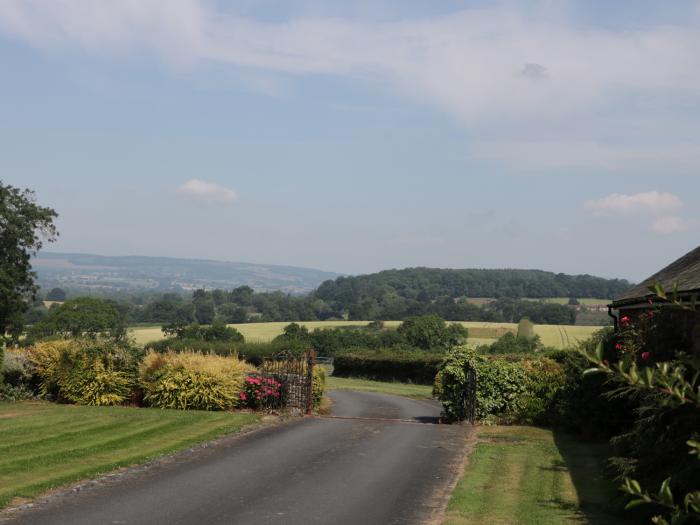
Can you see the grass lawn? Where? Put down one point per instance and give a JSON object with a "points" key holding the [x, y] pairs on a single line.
{"points": [[44, 445], [365, 385], [532, 476]]}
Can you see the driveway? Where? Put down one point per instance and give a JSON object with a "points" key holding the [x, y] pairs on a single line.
{"points": [[379, 459]]}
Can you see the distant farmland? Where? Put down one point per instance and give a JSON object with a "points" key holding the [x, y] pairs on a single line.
{"points": [[557, 336]]}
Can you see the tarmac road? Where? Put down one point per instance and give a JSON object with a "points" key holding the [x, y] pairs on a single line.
{"points": [[379, 459]]}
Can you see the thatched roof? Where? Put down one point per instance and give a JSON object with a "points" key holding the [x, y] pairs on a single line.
{"points": [[685, 272]]}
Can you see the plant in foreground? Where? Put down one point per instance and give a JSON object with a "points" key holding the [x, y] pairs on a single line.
{"points": [[674, 383]]}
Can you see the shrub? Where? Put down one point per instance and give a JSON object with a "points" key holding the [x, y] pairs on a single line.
{"points": [[318, 386], [16, 367], [253, 353], [406, 365], [14, 393], [507, 389], [261, 392], [87, 372], [192, 380]]}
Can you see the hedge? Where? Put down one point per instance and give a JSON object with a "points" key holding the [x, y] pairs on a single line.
{"points": [[409, 366], [512, 389]]}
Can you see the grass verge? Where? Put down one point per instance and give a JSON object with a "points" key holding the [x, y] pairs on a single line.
{"points": [[366, 385], [45, 445], [532, 476]]}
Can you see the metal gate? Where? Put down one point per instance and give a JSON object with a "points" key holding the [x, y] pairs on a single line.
{"points": [[469, 394], [295, 374]]}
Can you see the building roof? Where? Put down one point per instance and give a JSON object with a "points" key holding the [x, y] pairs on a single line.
{"points": [[685, 272]]}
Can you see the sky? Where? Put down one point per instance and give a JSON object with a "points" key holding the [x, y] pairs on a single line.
{"points": [[360, 136]]}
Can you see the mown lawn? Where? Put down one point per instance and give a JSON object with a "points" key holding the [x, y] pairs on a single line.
{"points": [[530, 476], [45, 445], [365, 385]]}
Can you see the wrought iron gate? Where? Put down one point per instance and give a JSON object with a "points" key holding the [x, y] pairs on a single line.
{"points": [[295, 374], [469, 394]]}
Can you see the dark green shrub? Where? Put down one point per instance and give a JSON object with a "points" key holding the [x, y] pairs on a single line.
{"points": [[509, 343], [515, 390], [405, 365], [431, 332], [218, 331]]}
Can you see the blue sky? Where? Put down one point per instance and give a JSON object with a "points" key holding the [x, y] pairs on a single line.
{"points": [[359, 136]]}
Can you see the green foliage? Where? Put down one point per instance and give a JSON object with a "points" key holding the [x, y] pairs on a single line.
{"points": [[430, 332], [404, 365], [526, 328], [191, 380], [509, 343], [16, 367], [294, 333], [318, 386], [218, 331], [508, 390], [56, 294], [666, 381], [23, 227], [86, 372], [82, 317]]}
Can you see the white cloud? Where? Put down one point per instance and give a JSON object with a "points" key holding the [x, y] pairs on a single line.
{"points": [[470, 63], [204, 192], [670, 224], [645, 203]]}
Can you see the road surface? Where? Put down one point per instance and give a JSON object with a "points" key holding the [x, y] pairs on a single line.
{"points": [[379, 459]]}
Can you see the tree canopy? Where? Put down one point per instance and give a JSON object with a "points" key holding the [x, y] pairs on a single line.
{"points": [[24, 227]]}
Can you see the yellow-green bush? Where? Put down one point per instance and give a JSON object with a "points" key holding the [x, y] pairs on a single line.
{"points": [[85, 371], [191, 380], [318, 385]]}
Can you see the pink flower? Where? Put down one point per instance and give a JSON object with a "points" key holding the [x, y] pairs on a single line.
{"points": [[618, 346], [243, 396], [645, 356], [624, 319]]}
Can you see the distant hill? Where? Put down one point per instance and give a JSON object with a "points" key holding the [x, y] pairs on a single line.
{"points": [[87, 272], [430, 284]]}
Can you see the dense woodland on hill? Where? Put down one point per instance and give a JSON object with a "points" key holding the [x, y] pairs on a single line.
{"points": [[388, 295]]}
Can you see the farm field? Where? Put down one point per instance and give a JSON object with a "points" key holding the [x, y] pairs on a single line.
{"points": [[557, 336], [588, 301], [45, 445], [365, 385], [531, 476]]}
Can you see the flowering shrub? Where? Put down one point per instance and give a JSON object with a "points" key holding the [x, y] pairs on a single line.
{"points": [[260, 392]]}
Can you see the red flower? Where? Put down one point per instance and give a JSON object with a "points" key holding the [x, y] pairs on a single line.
{"points": [[618, 346], [243, 396], [645, 356], [624, 319], [605, 362]]}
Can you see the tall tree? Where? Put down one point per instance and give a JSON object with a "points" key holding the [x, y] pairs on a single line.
{"points": [[24, 227]]}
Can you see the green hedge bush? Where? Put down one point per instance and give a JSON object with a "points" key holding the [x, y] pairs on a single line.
{"points": [[512, 389], [253, 353], [405, 365]]}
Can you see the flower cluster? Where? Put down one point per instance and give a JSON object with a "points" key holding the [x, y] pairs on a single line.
{"points": [[631, 336], [259, 392]]}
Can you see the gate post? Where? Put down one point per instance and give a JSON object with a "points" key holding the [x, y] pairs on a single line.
{"points": [[310, 361]]}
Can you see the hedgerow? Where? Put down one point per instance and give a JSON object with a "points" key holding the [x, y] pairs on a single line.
{"points": [[406, 365], [514, 389]]}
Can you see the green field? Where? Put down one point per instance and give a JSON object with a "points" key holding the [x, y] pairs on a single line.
{"points": [[45, 445], [365, 385], [557, 336], [530, 476]]}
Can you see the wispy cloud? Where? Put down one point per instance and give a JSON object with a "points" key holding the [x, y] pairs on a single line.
{"points": [[203, 192], [472, 63], [670, 224], [660, 208], [649, 202]]}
